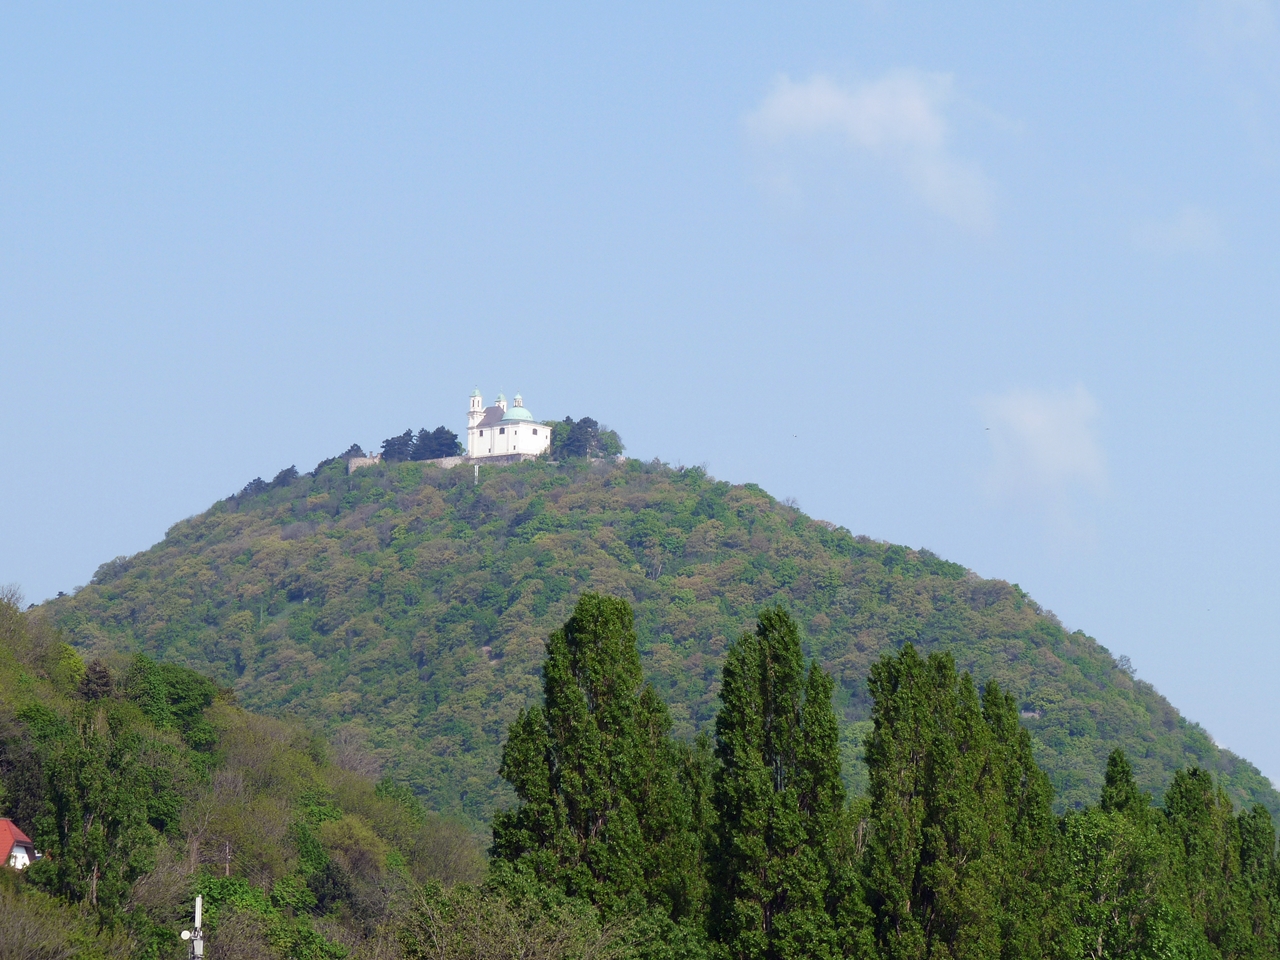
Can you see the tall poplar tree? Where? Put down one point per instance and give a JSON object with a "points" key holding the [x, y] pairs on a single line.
{"points": [[778, 799], [606, 811], [961, 859], [1205, 836]]}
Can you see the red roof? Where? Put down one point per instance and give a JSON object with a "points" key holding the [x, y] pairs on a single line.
{"points": [[10, 835]]}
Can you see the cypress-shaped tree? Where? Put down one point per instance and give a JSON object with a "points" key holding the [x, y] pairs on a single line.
{"points": [[1259, 880], [1205, 836], [1034, 919], [778, 800], [961, 858], [607, 810]]}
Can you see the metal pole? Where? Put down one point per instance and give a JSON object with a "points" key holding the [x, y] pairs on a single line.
{"points": [[196, 936]]}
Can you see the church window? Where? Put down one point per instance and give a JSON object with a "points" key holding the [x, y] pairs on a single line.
{"points": [[502, 429], [535, 431], [482, 433]]}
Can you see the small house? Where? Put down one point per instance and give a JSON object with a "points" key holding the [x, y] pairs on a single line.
{"points": [[16, 848]]}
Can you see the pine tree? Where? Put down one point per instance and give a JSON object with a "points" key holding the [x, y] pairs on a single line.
{"points": [[398, 448], [433, 444], [606, 812], [778, 798], [97, 682]]}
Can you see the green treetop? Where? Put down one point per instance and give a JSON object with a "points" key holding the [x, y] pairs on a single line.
{"points": [[961, 857], [605, 813], [778, 799]]}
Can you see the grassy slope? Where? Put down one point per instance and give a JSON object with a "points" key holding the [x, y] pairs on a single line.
{"points": [[405, 608]]}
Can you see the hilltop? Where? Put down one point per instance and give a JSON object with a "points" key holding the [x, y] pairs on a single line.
{"points": [[403, 609]]}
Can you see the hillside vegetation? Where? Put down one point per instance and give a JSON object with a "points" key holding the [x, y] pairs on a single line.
{"points": [[143, 784], [404, 610]]}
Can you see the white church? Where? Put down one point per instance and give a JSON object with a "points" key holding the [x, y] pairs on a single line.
{"points": [[501, 432]]}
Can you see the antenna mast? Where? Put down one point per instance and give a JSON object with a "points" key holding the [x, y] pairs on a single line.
{"points": [[196, 936]]}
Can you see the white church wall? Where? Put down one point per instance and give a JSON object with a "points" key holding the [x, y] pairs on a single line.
{"points": [[504, 439]]}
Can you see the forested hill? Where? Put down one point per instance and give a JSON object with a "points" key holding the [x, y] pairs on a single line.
{"points": [[404, 608]]}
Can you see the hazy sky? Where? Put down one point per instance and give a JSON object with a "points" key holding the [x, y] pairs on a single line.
{"points": [[1000, 280]]}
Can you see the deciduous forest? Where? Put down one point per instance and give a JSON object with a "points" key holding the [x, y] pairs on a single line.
{"points": [[405, 608], [144, 784], [588, 707]]}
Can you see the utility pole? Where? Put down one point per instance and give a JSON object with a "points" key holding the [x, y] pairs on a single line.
{"points": [[196, 936]]}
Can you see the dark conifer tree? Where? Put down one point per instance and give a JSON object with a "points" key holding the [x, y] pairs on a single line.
{"points": [[605, 813], [398, 448], [97, 682], [778, 800], [285, 477], [434, 444]]}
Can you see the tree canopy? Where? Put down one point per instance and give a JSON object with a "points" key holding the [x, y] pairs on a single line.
{"points": [[583, 438], [425, 445], [413, 603]]}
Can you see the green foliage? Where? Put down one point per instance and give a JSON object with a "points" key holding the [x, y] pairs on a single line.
{"points": [[605, 814], [433, 444], [961, 855], [955, 853], [290, 935], [965, 860], [104, 806], [36, 926], [491, 923], [398, 448], [425, 445], [583, 438], [778, 800], [407, 604], [627, 840], [142, 793]]}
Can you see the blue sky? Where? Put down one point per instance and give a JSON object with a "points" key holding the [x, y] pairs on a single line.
{"points": [[996, 280]]}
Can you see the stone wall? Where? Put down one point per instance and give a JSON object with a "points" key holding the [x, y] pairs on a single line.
{"points": [[355, 463], [446, 463]]}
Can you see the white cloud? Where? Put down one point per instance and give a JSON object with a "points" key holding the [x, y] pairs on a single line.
{"points": [[1242, 40], [1229, 26], [899, 119], [1191, 230], [1045, 452]]}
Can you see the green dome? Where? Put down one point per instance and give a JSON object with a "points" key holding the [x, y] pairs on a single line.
{"points": [[517, 413], [475, 392]]}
